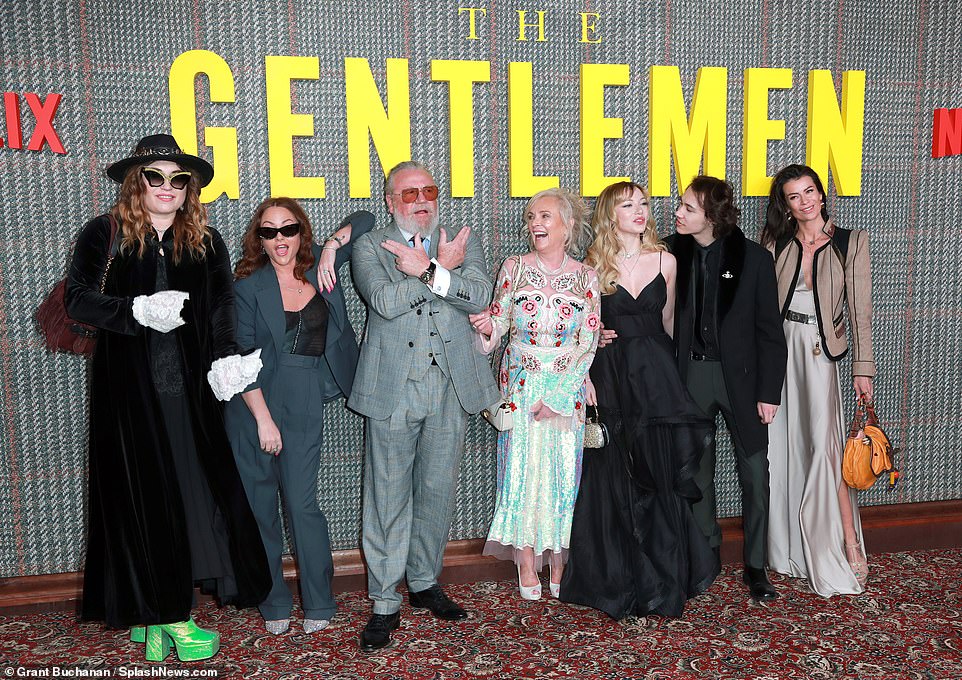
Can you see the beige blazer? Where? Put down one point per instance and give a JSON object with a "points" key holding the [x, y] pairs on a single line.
{"points": [[836, 282]]}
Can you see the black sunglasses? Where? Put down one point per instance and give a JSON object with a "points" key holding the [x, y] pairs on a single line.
{"points": [[270, 233], [155, 178]]}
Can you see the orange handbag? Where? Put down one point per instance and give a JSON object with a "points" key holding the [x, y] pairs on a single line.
{"points": [[868, 451]]}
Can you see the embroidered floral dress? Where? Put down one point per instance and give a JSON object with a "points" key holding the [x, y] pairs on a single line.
{"points": [[552, 322]]}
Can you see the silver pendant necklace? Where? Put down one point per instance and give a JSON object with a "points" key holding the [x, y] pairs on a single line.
{"points": [[821, 232], [628, 256], [551, 272], [294, 289]]}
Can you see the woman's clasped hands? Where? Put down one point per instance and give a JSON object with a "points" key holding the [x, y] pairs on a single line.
{"points": [[481, 322]]}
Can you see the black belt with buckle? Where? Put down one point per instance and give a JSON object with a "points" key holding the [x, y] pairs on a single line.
{"points": [[798, 317], [695, 356]]}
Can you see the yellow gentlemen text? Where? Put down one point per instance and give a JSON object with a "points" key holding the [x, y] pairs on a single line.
{"points": [[684, 137]]}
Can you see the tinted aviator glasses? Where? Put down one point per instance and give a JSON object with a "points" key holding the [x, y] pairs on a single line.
{"points": [[156, 178], [270, 233], [430, 193]]}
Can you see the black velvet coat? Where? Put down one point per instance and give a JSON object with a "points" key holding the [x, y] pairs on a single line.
{"points": [[138, 568], [750, 337]]}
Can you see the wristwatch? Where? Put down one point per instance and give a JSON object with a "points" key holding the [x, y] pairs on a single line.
{"points": [[428, 273]]}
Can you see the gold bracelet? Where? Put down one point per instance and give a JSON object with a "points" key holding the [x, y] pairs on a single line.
{"points": [[335, 237]]}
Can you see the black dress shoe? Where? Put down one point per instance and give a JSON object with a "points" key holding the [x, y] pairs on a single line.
{"points": [[758, 584], [377, 632], [440, 604]]}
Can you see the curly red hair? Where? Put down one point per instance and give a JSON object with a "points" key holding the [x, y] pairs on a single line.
{"points": [[253, 256]]}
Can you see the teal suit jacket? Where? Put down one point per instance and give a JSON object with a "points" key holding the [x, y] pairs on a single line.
{"points": [[261, 322]]}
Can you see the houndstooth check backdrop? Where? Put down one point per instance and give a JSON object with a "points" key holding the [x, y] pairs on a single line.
{"points": [[110, 61]]}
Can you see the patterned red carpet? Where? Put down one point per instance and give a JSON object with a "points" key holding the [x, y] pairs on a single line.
{"points": [[908, 625]]}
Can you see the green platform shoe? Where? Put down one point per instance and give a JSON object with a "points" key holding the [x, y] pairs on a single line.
{"points": [[192, 642], [138, 633]]}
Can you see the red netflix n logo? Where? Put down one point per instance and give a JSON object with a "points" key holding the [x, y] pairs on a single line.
{"points": [[947, 133]]}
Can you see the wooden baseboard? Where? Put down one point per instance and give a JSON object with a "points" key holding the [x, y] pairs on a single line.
{"points": [[887, 528], [463, 563]]}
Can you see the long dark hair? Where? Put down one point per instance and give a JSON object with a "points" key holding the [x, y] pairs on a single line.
{"points": [[253, 256], [717, 199], [779, 225]]}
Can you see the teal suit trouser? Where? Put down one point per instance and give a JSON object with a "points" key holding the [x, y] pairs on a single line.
{"points": [[297, 407]]}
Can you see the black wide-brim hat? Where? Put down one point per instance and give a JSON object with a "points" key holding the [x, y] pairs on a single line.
{"points": [[161, 148]]}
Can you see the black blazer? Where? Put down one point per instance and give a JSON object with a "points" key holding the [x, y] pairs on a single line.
{"points": [[750, 337]]}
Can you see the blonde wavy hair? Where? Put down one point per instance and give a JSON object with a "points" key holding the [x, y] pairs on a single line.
{"points": [[190, 222], [574, 214], [604, 250]]}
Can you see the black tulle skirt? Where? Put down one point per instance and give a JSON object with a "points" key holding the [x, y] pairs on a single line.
{"points": [[635, 546]]}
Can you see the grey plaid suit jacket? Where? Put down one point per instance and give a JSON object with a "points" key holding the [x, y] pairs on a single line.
{"points": [[396, 304]]}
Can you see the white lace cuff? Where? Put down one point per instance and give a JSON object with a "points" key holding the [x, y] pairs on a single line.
{"points": [[230, 375], [160, 311]]}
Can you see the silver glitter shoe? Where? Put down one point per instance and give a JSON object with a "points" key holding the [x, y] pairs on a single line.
{"points": [[314, 625], [278, 626]]}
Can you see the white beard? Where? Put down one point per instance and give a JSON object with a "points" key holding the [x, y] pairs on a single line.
{"points": [[410, 225]]}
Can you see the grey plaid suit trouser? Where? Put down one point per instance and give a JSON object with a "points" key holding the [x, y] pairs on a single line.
{"points": [[410, 475]]}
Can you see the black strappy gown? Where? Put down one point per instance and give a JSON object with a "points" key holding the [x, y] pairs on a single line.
{"points": [[635, 547]]}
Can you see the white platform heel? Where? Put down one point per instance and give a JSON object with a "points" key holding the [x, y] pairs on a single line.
{"points": [[528, 592], [553, 588]]}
